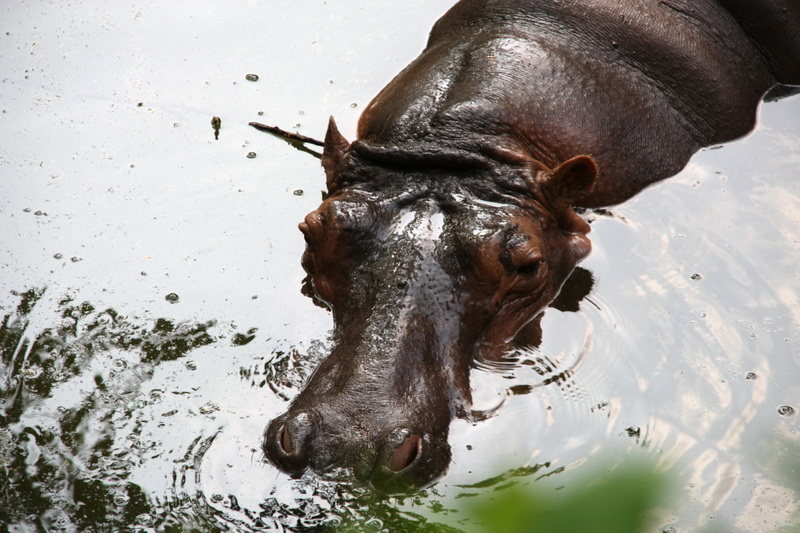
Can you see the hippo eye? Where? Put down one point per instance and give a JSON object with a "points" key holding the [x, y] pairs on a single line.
{"points": [[529, 267]]}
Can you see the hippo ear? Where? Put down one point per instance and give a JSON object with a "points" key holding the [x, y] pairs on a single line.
{"points": [[573, 180], [333, 155]]}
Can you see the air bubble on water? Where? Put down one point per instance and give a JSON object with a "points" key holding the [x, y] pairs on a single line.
{"points": [[32, 372], [373, 524], [786, 410], [144, 519]]}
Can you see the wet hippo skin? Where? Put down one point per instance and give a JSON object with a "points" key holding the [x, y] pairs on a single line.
{"points": [[449, 224]]}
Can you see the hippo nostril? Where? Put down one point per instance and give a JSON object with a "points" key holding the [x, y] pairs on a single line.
{"points": [[285, 441], [403, 456], [289, 440]]}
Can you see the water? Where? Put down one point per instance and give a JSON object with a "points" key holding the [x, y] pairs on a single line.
{"points": [[150, 287]]}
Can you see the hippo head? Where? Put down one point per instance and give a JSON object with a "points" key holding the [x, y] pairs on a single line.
{"points": [[422, 276]]}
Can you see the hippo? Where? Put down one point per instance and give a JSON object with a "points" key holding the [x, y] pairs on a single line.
{"points": [[449, 224]]}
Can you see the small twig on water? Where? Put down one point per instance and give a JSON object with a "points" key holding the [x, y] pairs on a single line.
{"points": [[286, 135]]}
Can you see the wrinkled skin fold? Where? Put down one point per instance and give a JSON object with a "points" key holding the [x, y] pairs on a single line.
{"points": [[449, 223]]}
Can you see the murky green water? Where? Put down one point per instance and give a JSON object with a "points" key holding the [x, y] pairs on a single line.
{"points": [[152, 321]]}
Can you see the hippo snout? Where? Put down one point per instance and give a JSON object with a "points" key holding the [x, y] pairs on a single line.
{"points": [[403, 458]]}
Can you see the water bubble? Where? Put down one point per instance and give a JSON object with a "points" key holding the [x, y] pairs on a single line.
{"points": [[121, 500], [27, 209], [216, 498], [251, 155], [144, 519], [191, 365], [58, 255], [373, 524], [786, 410], [251, 77], [696, 277], [669, 529], [750, 376], [172, 298], [354, 105], [32, 372], [174, 124], [298, 192], [75, 259]]}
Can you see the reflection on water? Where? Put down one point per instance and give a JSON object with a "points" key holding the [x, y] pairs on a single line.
{"points": [[120, 408]]}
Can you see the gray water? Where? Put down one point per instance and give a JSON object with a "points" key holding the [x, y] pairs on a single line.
{"points": [[150, 286]]}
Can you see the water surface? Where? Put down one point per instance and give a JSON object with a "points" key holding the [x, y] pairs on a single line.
{"points": [[152, 321]]}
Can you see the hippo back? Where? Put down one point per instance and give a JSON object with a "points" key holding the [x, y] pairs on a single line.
{"points": [[638, 85]]}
